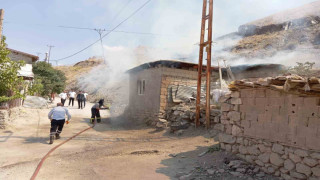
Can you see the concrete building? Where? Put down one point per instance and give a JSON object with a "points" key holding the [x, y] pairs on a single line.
{"points": [[155, 85]]}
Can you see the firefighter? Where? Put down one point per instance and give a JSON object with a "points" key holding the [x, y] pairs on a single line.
{"points": [[57, 117], [95, 111]]}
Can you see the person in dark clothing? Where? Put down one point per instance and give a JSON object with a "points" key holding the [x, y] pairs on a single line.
{"points": [[95, 111], [80, 99]]}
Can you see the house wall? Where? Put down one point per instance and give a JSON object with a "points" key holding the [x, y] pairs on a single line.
{"points": [[144, 108], [275, 130], [17, 57], [175, 77], [151, 106]]}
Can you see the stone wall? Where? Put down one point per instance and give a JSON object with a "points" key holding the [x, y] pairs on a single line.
{"points": [[275, 130], [4, 115], [178, 77]]}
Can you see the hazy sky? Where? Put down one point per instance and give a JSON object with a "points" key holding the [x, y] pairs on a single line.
{"points": [[32, 25]]}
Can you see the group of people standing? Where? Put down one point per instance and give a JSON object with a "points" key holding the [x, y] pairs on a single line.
{"points": [[80, 96]]}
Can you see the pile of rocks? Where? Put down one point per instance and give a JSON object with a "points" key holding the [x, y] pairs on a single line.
{"points": [[183, 115], [229, 169]]}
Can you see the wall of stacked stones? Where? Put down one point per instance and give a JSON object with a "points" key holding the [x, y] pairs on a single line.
{"points": [[172, 76], [4, 115], [183, 77], [277, 131]]}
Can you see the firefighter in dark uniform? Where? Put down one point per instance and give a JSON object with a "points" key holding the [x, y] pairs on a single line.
{"points": [[95, 111]]}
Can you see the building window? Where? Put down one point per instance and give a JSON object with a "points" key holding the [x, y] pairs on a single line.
{"points": [[141, 87]]}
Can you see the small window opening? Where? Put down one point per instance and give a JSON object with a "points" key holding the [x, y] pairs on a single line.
{"points": [[141, 87]]}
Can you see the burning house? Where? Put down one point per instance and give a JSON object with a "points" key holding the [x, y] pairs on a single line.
{"points": [[156, 85]]}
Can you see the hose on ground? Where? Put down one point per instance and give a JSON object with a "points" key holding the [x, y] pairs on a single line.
{"points": [[54, 148]]}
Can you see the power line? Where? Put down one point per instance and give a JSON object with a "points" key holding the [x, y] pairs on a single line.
{"points": [[72, 27], [116, 16], [132, 14], [119, 31]]}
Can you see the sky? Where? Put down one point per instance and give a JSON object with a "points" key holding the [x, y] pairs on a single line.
{"points": [[30, 26]]}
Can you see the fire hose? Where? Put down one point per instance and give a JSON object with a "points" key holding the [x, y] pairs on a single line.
{"points": [[54, 148]]}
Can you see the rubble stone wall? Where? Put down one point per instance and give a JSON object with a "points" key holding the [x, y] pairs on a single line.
{"points": [[277, 131], [4, 114], [177, 77]]}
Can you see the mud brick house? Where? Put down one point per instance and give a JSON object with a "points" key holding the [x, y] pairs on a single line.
{"points": [[151, 84], [274, 126]]}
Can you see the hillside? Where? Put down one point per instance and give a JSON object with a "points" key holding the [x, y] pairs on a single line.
{"points": [[79, 69], [286, 37], [311, 9]]}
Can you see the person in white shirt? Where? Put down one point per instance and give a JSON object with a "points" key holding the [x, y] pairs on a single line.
{"points": [[57, 117], [85, 99], [63, 97], [72, 95]]}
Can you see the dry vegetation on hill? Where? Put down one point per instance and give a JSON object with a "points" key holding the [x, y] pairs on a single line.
{"points": [[81, 68]]}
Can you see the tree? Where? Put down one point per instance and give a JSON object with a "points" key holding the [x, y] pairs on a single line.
{"points": [[53, 81], [36, 88], [10, 82]]}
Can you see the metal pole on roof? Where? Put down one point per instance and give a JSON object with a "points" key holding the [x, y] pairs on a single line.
{"points": [[1, 21]]}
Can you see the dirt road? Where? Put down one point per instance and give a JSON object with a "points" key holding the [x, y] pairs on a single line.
{"points": [[113, 149], [109, 151]]}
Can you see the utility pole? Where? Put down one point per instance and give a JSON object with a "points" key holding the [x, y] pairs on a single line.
{"points": [[100, 31], [208, 45], [1, 22], [50, 46]]}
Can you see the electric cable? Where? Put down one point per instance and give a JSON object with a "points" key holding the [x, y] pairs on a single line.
{"points": [[116, 16], [132, 14]]}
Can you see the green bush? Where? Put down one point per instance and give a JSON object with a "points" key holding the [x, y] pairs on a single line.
{"points": [[10, 82], [52, 80]]}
